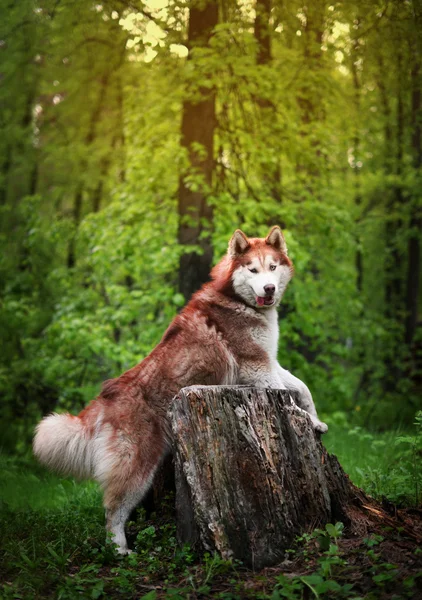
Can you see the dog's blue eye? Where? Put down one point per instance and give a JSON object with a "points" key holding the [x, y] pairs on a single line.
{"points": [[273, 267], [253, 270]]}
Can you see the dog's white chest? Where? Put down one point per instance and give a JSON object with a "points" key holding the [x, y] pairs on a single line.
{"points": [[267, 336]]}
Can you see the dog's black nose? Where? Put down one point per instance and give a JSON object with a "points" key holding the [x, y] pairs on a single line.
{"points": [[269, 289]]}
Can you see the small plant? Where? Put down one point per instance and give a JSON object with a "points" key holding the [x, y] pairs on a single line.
{"points": [[214, 565], [323, 536], [373, 540], [413, 454], [328, 563], [287, 588]]}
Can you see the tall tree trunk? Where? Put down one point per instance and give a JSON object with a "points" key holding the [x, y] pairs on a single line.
{"points": [[309, 102], [386, 111], [365, 376], [76, 216], [389, 160], [117, 146], [394, 279], [5, 169], [356, 144], [394, 276], [271, 169], [89, 139], [262, 31], [314, 29], [121, 142], [197, 137], [413, 248]]}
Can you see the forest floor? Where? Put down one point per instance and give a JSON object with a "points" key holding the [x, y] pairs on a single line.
{"points": [[52, 540]]}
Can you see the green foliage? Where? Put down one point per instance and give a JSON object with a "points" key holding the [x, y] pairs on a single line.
{"points": [[384, 464], [53, 545], [321, 139], [412, 455]]}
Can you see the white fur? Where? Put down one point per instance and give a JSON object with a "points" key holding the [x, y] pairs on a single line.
{"points": [[264, 335], [103, 458], [116, 519], [267, 338], [62, 444], [249, 285], [270, 339]]}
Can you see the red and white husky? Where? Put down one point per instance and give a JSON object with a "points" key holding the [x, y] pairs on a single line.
{"points": [[227, 334]]}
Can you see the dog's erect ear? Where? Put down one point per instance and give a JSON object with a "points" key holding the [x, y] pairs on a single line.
{"points": [[238, 244], [276, 239]]}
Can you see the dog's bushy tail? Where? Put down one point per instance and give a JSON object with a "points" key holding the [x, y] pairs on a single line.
{"points": [[63, 443]]}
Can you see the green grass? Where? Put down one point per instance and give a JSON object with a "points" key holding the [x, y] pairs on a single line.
{"points": [[374, 461], [387, 464], [52, 540], [25, 484]]}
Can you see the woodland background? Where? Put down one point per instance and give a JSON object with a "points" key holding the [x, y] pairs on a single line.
{"points": [[136, 136]]}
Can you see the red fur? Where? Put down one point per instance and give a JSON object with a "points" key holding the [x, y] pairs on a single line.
{"points": [[126, 428]]}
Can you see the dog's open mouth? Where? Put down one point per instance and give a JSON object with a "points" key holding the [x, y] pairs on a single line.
{"points": [[265, 300]]}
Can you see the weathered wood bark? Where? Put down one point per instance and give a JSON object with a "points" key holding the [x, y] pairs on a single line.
{"points": [[251, 474]]}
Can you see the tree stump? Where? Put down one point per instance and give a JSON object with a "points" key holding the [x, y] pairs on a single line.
{"points": [[251, 474]]}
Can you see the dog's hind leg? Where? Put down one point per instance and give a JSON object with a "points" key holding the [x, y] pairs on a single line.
{"points": [[118, 508], [132, 473]]}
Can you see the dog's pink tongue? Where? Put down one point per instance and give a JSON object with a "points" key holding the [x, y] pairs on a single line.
{"points": [[261, 301]]}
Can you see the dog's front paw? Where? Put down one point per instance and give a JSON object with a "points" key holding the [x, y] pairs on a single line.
{"points": [[319, 425], [123, 550]]}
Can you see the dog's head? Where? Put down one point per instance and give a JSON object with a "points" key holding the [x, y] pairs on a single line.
{"points": [[261, 268]]}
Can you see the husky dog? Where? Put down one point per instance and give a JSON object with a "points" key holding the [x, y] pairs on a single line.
{"points": [[226, 335]]}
